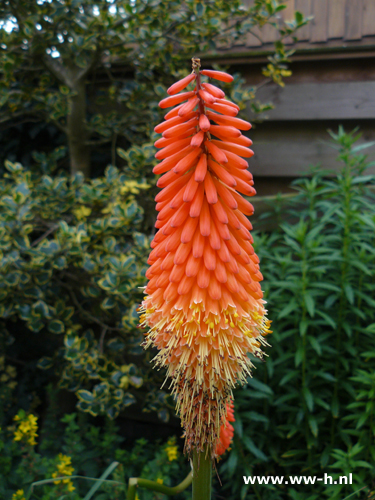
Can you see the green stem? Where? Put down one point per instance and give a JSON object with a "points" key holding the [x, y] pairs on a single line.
{"points": [[202, 475], [138, 482]]}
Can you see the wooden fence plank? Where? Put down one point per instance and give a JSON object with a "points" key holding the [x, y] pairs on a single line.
{"points": [[319, 23], [353, 20], [288, 15], [368, 19], [269, 33], [320, 101], [288, 149], [252, 40], [289, 157], [304, 6], [336, 18]]}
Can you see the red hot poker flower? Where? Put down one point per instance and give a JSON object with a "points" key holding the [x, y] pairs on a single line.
{"points": [[203, 305], [226, 432]]}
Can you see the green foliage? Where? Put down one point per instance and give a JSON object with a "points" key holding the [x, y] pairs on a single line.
{"points": [[310, 407], [75, 447], [72, 261], [73, 252], [55, 53]]}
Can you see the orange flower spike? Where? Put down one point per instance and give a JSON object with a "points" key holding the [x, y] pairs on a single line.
{"points": [[203, 305], [226, 432]]}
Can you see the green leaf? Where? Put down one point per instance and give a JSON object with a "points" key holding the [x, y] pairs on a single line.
{"points": [[308, 397], [310, 304], [313, 426], [289, 308], [101, 480], [260, 386], [335, 408], [298, 17], [45, 363], [56, 326], [128, 400], [349, 293], [199, 9], [85, 396], [315, 344], [250, 446]]}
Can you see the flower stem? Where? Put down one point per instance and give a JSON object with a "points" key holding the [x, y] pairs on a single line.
{"points": [[202, 475], [138, 482]]}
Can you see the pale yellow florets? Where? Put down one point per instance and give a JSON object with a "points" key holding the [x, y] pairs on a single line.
{"points": [[27, 429], [18, 495], [171, 449], [64, 468]]}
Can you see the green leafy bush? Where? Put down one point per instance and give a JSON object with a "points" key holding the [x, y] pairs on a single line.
{"points": [[72, 261], [75, 447], [310, 407]]}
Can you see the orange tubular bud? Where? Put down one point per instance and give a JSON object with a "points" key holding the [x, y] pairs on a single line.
{"points": [[216, 152], [191, 189], [215, 91], [241, 140], [176, 99], [235, 160], [210, 189], [187, 162], [222, 173], [163, 142], [229, 120], [173, 112], [181, 84], [188, 107], [228, 103], [225, 110], [200, 171], [204, 123], [172, 148], [217, 75], [180, 129], [203, 303], [171, 161], [172, 122], [225, 131], [234, 148], [197, 139], [208, 98]]}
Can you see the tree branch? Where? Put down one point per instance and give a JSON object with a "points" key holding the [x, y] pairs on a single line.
{"points": [[84, 312], [47, 233], [57, 70]]}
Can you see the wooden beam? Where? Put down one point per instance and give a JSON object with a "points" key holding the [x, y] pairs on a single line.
{"points": [[336, 18], [353, 20], [320, 101], [319, 23], [368, 19], [289, 149]]}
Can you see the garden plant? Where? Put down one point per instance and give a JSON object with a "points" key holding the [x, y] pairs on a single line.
{"points": [[81, 83]]}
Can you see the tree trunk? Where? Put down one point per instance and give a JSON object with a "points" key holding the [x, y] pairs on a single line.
{"points": [[77, 132]]}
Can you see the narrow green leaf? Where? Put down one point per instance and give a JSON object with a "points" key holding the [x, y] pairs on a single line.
{"points": [[101, 480]]}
